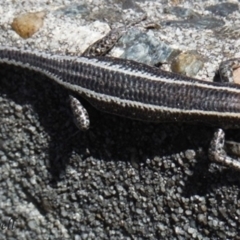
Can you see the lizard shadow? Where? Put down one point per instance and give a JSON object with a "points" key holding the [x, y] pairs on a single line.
{"points": [[110, 138]]}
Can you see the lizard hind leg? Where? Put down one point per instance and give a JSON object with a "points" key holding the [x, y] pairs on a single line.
{"points": [[216, 151], [80, 114], [227, 68]]}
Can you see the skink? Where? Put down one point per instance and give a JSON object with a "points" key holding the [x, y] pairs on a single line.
{"points": [[138, 91]]}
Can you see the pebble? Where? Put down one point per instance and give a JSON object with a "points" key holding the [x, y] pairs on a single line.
{"points": [[27, 24], [187, 63]]}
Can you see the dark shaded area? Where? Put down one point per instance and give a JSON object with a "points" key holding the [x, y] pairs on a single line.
{"points": [[113, 140]]}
